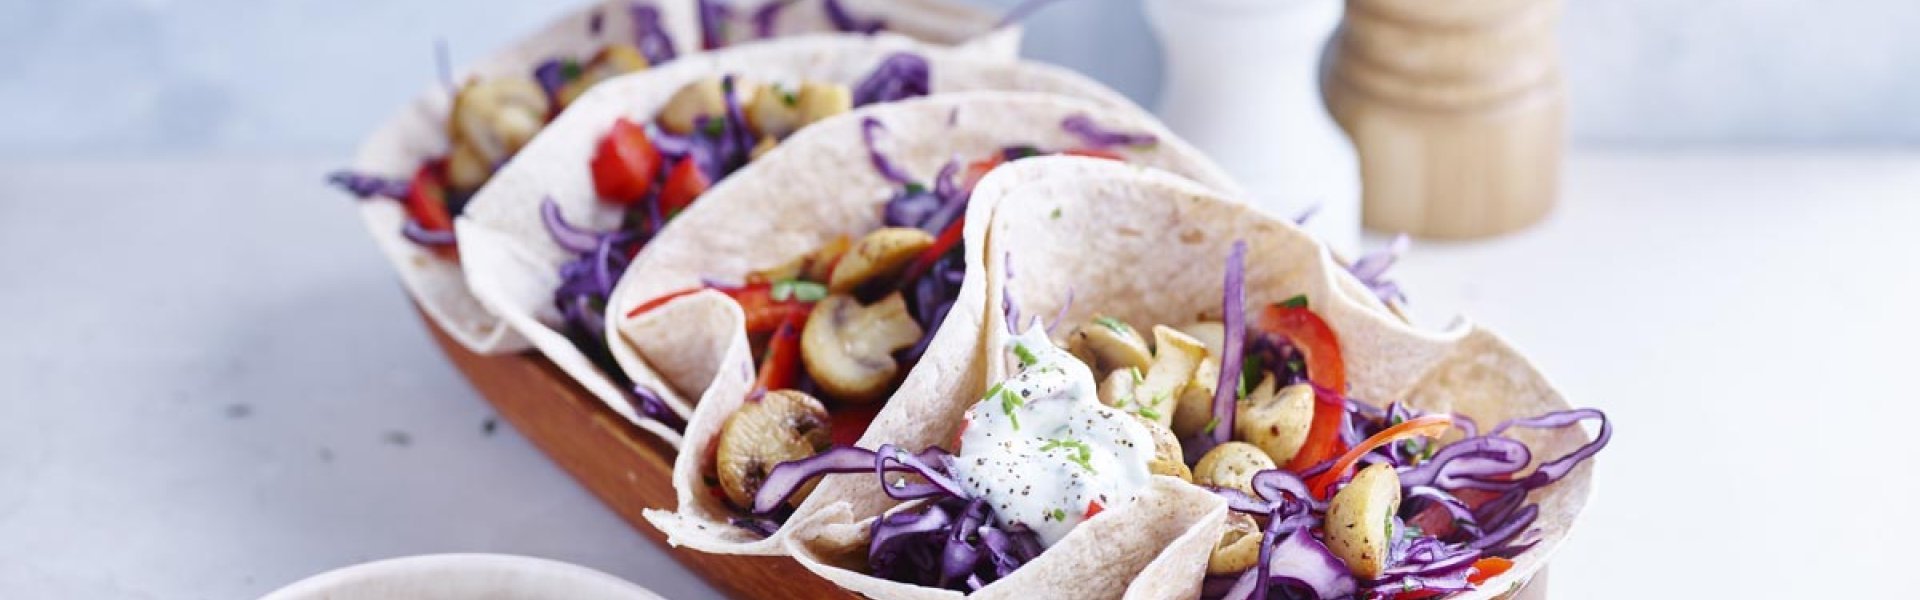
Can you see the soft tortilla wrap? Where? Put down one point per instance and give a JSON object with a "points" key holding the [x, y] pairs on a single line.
{"points": [[1149, 247], [511, 260], [815, 186], [417, 132]]}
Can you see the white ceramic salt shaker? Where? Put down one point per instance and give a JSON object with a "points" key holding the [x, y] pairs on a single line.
{"points": [[1242, 82]]}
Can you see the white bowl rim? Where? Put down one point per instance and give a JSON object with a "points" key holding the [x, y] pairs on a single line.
{"points": [[580, 581]]}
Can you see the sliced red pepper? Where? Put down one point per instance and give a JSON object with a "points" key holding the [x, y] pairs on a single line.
{"points": [[1423, 426], [426, 201], [979, 168], [624, 164], [780, 367], [850, 421], [949, 237], [684, 184], [1094, 508], [1488, 568], [1094, 153], [763, 313], [657, 302], [1321, 348], [964, 422]]}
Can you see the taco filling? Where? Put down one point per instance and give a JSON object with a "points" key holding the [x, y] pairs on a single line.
{"points": [[1329, 497], [493, 117]]}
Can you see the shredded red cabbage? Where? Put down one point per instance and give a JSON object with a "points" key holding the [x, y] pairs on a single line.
{"points": [[648, 35], [1371, 269], [1095, 136], [651, 406], [951, 542], [553, 74], [426, 237], [713, 23], [767, 16], [845, 21], [868, 127], [364, 185], [1233, 316], [899, 76]]}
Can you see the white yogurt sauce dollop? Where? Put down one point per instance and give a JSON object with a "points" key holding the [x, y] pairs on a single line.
{"points": [[1043, 450]]}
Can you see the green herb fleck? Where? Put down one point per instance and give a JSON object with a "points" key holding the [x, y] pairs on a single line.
{"points": [[1149, 413], [1008, 402], [1211, 424], [570, 70], [1299, 301], [1026, 356], [782, 290], [1058, 515], [1082, 453], [1056, 212], [1250, 368], [916, 188], [1118, 326], [1138, 377], [716, 127], [807, 291]]}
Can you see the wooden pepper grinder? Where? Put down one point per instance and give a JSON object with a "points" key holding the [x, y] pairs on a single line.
{"points": [[1457, 110]]}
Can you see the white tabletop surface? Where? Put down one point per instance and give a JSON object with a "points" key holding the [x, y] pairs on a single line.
{"points": [[210, 385]]}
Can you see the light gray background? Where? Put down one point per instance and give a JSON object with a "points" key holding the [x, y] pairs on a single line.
{"points": [[229, 77]]}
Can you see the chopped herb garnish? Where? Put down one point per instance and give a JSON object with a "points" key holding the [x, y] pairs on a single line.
{"points": [[807, 291], [1058, 515], [1056, 213], [1250, 368], [1138, 377], [916, 188], [782, 290], [1082, 454], [1026, 356], [1008, 402], [1299, 301], [1211, 424], [1149, 413], [1118, 326], [716, 127], [570, 69]]}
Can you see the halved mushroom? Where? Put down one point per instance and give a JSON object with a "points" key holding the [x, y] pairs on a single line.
{"points": [[704, 97], [493, 118], [1195, 408], [1277, 422], [813, 266], [1239, 546], [611, 61], [1176, 355], [1231, 465], [1211, 333], [882, 253], [1358, 519], [1117, 389], [467, 170], [782, 425], [1167, 458], [1108, 344], [848, 348], [774, 112], [817, 101]]}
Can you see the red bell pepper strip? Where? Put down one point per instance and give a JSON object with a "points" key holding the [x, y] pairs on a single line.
{"points": [[979, 168], [1093, 153], [780, 366], [763, 313], [426, 201], [684, 184], [949, 237], [656, 302], [624, 164], [1424, 426], [1321, 348], [1488, 568], [850, 421], [1094, 508]]}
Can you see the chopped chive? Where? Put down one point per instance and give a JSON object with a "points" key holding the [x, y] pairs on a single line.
{"points": [[1211, 424], [1008, 402], [1026, 356], [1149, 413], [782, 290], [1299, 301], [807, 291], [1056, 212]]}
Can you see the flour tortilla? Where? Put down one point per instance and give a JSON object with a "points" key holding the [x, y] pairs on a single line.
{"points": [[417, 132], [1149, 247], [817, 185], [512, 262]]}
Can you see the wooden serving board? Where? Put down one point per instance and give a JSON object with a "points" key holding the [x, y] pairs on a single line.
{"points": [[626, 468], [631, 471]]}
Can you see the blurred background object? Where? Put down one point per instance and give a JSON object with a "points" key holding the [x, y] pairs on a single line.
{"points": [[1458, 111], [1242, 82], [310, 77]]}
